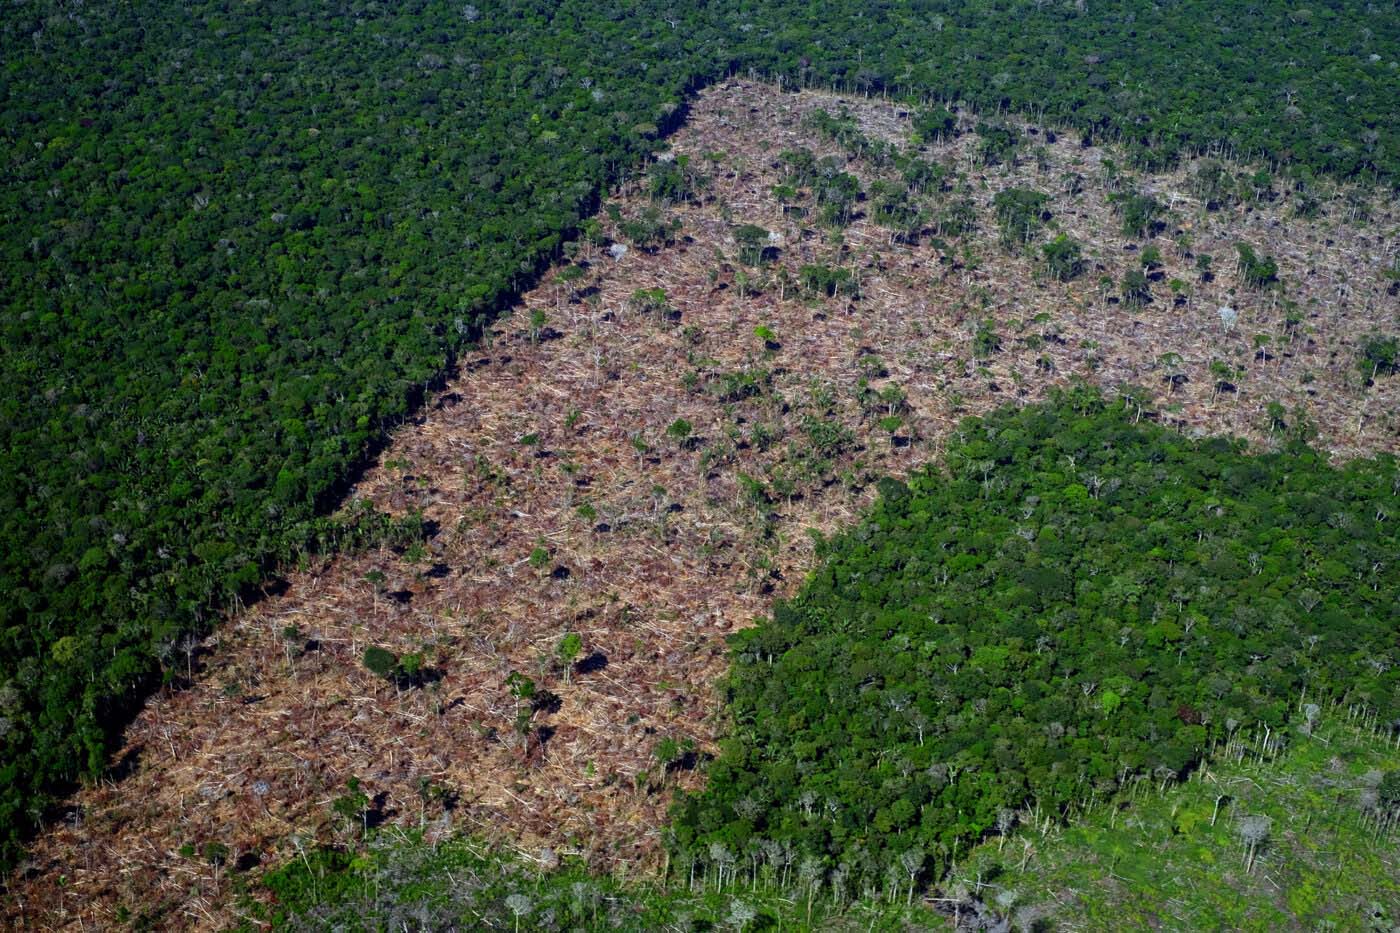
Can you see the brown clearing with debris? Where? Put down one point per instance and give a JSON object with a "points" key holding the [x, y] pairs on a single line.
{"points": [[553, 441]]}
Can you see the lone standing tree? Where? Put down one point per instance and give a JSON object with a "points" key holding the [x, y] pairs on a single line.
{"points": [[570, 646], [753, 241], [1254, 831]]}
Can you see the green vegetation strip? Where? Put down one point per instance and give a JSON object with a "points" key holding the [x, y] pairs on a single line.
{"points": [[402, 882]]}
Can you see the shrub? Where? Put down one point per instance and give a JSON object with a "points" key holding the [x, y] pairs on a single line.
{"points": [[381, 662]]}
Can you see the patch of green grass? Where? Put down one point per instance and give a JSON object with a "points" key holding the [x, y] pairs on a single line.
{"points": [[1168, 859], [401, 881]]}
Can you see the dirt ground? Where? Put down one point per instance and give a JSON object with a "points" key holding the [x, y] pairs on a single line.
{"points": [[565, 498]]}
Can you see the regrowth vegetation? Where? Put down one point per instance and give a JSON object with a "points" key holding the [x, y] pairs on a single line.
{"points": [[1252, 841]]}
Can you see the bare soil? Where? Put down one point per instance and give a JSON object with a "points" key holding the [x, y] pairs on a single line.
{"points": [[552, 442]]}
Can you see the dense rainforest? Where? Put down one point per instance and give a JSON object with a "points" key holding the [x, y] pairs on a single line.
{"points": [[243, 241], [1075, 599]]}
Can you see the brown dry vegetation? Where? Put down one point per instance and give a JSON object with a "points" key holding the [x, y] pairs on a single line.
{"points": [[678, 548]]}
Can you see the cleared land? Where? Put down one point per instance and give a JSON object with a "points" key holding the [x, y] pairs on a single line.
{"points": [[561, 502]]}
